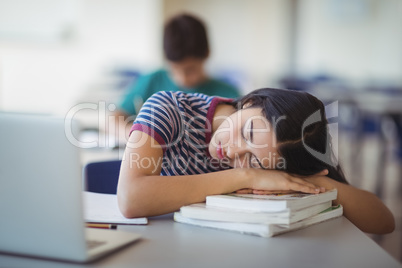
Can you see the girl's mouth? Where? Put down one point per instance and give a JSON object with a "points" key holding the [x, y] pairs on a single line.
{"points": [[219, 151]]}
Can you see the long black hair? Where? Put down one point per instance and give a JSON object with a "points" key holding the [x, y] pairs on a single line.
{"points": [[301, 130]]}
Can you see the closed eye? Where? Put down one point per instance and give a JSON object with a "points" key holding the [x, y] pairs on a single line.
{"points": [[254, 162], [249, 132]]}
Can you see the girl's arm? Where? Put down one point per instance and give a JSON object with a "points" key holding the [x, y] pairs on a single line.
{"points": [[142, 192], [362, 208]]}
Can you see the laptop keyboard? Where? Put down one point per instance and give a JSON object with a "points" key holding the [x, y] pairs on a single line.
{"points": [[94, 243]]}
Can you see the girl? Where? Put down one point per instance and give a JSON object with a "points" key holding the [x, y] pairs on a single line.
{"points": [[184, 147]]}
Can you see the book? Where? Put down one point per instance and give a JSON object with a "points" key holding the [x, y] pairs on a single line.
{"points": [[201, 211], [269, 203], [103, 208], [263, 230]]}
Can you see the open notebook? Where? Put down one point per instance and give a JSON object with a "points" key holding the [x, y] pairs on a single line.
{"points": [[102, 208]]}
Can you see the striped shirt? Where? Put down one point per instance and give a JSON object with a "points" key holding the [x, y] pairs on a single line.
{"points": [[182, 124]]}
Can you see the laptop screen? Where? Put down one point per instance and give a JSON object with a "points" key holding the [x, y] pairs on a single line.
{"points": [[40, 188]]}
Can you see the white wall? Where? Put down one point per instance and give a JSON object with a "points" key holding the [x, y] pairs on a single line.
{"points": [[47, 70], [250, 36], [48, 74], [360, 40]]}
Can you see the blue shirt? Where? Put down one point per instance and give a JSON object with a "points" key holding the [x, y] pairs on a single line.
{"points": [[160, 80]]}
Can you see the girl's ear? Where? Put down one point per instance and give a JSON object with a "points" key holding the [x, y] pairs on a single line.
{"points": [[246, 105]]}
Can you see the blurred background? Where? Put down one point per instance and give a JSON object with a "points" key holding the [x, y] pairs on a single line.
{"points": [[55, 54]]}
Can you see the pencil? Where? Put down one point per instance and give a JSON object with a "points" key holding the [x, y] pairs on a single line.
{"points": [[101, 225]]}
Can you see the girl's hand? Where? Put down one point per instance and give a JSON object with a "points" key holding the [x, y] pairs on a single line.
{"points": [[267, 181]]}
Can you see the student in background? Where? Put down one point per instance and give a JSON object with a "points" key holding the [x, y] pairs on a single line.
{"points": [[184, 147], [186, 50]]}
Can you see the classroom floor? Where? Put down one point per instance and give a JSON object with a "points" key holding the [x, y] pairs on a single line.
{"points": [[361, 160]]}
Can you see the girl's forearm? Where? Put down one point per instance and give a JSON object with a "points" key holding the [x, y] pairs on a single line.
{"points": [[155, 195], [148, 195], [362, 208]]}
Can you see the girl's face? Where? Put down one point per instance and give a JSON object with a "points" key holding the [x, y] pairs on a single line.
{"points": [[245, 139]]}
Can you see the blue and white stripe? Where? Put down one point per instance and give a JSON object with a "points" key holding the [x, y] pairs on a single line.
{"points": [[177, 121]]}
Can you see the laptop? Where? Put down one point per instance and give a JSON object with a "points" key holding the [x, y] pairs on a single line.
{"points": [[41, 207]]}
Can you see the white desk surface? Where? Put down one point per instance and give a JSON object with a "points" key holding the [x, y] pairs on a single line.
{"points": [[165, 243]]}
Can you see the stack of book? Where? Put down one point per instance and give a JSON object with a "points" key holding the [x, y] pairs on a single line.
{"points": [[262, 215]]}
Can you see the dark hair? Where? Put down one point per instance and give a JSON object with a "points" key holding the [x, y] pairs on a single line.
{"points": [[301, 130], [185, 36]]}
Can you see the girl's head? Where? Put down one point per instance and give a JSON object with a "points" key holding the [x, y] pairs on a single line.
{"points": [[278, 129]]}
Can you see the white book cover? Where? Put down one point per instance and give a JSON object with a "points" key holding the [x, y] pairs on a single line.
{"points": [[269, 203], [203, 212], [263, 230], [103, 208]]}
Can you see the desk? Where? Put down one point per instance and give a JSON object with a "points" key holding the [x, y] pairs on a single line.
{"points": [[336, 243]]}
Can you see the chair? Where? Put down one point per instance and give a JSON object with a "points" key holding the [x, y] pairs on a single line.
{"points": [[102, 177]]}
